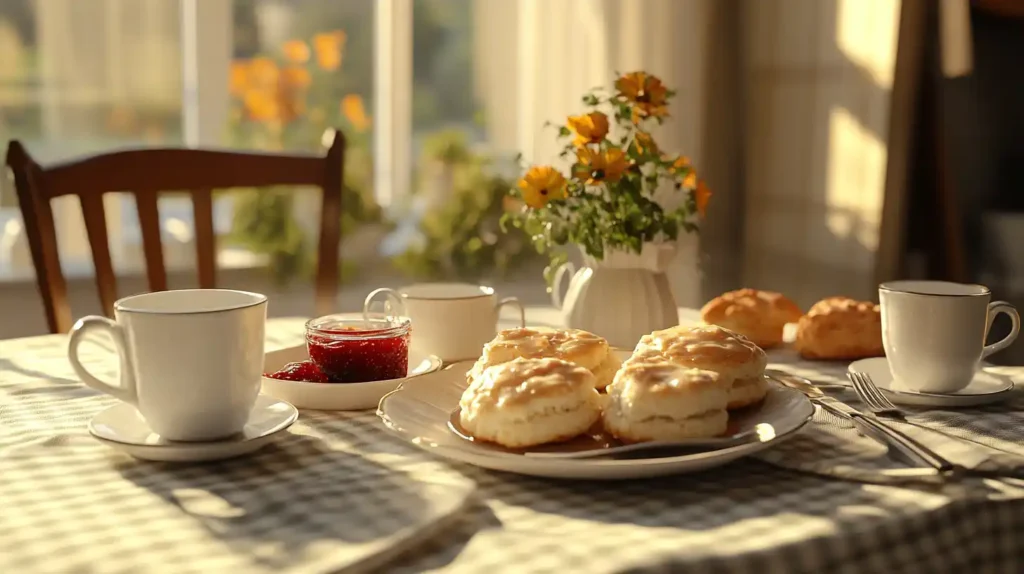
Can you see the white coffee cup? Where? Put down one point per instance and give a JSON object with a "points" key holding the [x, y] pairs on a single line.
{"points": [[934, 332], [191, 360], [450, 320]]}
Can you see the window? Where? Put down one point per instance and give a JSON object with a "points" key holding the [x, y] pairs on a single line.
{"points": [[75, 79], [411, 82]]}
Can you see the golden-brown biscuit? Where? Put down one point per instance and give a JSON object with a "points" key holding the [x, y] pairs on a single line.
{"points": [[840, 328], [662, 401], [574, 345], [737, 360], [527, 402], [757, 315]]}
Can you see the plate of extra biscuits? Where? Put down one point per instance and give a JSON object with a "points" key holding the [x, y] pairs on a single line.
{"points": [[562, 403]]}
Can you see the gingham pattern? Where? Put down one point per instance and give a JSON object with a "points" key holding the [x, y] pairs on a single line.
{"points": [[339, 480]]}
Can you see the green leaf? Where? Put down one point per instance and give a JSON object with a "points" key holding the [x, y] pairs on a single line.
{"points": [[563, 132]]}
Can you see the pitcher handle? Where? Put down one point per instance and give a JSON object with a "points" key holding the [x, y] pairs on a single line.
{"points": [[564, 269], [995, 308]]}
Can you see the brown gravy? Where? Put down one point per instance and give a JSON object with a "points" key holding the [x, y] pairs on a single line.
{"points": [[596, 438]]}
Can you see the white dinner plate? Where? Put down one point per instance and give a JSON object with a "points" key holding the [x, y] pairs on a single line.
{"points": [[335, 396], [420, 413], [123, 428], [985, 388]]}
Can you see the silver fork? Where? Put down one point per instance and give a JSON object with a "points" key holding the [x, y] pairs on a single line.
{"points": [[919, 450], [881, 406], [873, 397]]}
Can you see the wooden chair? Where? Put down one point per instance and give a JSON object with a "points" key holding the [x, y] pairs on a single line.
{"points": [[145, 173]]}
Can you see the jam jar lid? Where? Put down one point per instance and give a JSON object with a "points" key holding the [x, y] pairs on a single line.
{"points": [[346, 327]]}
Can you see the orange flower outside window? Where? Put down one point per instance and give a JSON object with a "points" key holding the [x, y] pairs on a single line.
{"points": [[295, 77], [296, 51], [239, 79], [354, 111], [328, 48], [263, 73], [261, 105]]}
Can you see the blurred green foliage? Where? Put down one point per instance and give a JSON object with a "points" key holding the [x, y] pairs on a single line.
{"points": [[462, 238]]}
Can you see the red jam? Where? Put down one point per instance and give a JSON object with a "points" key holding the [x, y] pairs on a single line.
{"points": [[306, 371], [356, 351]]}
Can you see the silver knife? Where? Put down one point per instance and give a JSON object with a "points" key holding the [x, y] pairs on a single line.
{"points": [[869, 425]]}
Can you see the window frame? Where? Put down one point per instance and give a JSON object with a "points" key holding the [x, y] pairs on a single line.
{"points": [[206, 31]]}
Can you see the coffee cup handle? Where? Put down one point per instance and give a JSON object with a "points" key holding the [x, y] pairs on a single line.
{"points": [[565, 269], [515, 302], [126, 391], [392, 302], [995, 308]]}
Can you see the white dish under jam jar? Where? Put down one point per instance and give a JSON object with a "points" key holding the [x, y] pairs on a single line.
{"points": [[374, 349]]}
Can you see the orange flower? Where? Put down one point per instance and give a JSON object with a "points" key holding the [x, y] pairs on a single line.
{"points": [[353, 110], [540, 185], [702, 196], [645, 93], [295, 77], [262, 73], [682, 167], [328, 47], [590, 128], [239, 80], [261, 105], [596, 167], [296, 51]]}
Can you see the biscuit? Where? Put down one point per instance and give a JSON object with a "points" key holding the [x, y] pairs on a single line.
{"points": [[840, 328], [528, 402], [739, 362], [580, 347], [760, 316], [662, 401]]}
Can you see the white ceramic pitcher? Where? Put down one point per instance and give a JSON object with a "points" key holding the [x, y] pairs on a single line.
{"points": [[622, 298]]}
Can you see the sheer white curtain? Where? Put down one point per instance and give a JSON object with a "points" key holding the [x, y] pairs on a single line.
{"points": [[567, 47]]}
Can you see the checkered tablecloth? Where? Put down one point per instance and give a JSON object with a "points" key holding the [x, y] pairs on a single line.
{"points": [[339, 481]]}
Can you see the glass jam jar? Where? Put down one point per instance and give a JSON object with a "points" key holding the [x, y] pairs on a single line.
{"points": [[350, 349]]}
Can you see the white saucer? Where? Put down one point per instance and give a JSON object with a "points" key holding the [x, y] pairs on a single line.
{"points": [[335, 396], [984, 389], [122, 427]]}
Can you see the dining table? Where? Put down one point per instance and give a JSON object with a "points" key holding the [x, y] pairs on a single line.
{"points": [[339, 492]]}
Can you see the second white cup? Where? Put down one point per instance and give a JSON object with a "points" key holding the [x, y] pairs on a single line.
{"points": [[450, 320], [934, 332]]}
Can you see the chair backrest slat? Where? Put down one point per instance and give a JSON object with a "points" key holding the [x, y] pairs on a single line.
{"points": [[206, 248], [152, 247], [95, 217], [147, 172]]}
